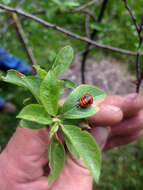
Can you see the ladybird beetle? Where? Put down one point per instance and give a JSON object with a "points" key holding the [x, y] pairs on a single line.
{"points": [[85, 101]]}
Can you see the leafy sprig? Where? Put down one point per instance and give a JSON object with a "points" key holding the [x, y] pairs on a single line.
{"points": [[44, 110]]}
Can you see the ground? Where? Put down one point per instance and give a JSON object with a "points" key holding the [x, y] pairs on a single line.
{"points": [[108, 74]]}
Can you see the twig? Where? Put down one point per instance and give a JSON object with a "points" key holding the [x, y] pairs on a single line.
{"points": [[84, 6], [92, 36], [132, 16], [22, 38], [5, 28], [138, 66], [139, 73], [87, 18], [87, 29], [60, 29], [90, 14]]}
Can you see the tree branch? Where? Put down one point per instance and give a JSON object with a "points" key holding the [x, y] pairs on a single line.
{"points": [[82, 38], [132, 16], [138, 66], [22, 38], [21, 19], [90, 14], [139, 73]]}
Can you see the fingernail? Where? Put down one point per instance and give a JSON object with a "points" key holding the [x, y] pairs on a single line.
{"points": [[131, 96], [111, 107]]}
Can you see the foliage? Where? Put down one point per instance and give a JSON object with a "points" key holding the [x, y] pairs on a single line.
{"points": [[125, 164], [117, 28], [47, 112]]}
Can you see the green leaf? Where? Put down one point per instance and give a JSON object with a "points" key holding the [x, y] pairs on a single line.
{"points": [[65, 83], [35, 113], [70, 121], [33, 84], [42, 72], [86, 147], [76, 112], [54, 129], [51, 57], [56, 154], [63, 60], [14, 77], [30, 100], [70, 147], [68, 83], [31, 125], [70, 107], [30, 82], [49, 93]]}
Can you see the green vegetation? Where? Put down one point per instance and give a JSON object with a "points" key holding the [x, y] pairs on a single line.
{"points": [[122, 168], [116, 28]]}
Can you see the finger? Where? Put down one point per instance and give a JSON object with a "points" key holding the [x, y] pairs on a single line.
{"points": [[28, 152], [107, 115], [133, 103], [101, 135], [129, 104], [128, 126], [121, 140]]}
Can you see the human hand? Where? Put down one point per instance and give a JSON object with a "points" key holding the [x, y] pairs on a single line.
{"points": [[124, 115], [23, 160]]}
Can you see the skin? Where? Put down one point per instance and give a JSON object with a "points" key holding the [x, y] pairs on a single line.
{"points": [[22, 162]]}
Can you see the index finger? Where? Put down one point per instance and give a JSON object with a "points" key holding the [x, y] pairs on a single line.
{"points": [[130, 104], [108, 115]]}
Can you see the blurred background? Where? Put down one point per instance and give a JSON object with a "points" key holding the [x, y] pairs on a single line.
{"points": [[113, 72]]}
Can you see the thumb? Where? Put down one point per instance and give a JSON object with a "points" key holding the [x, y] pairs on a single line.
{"points": [[27, 150], [101, 135]]}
